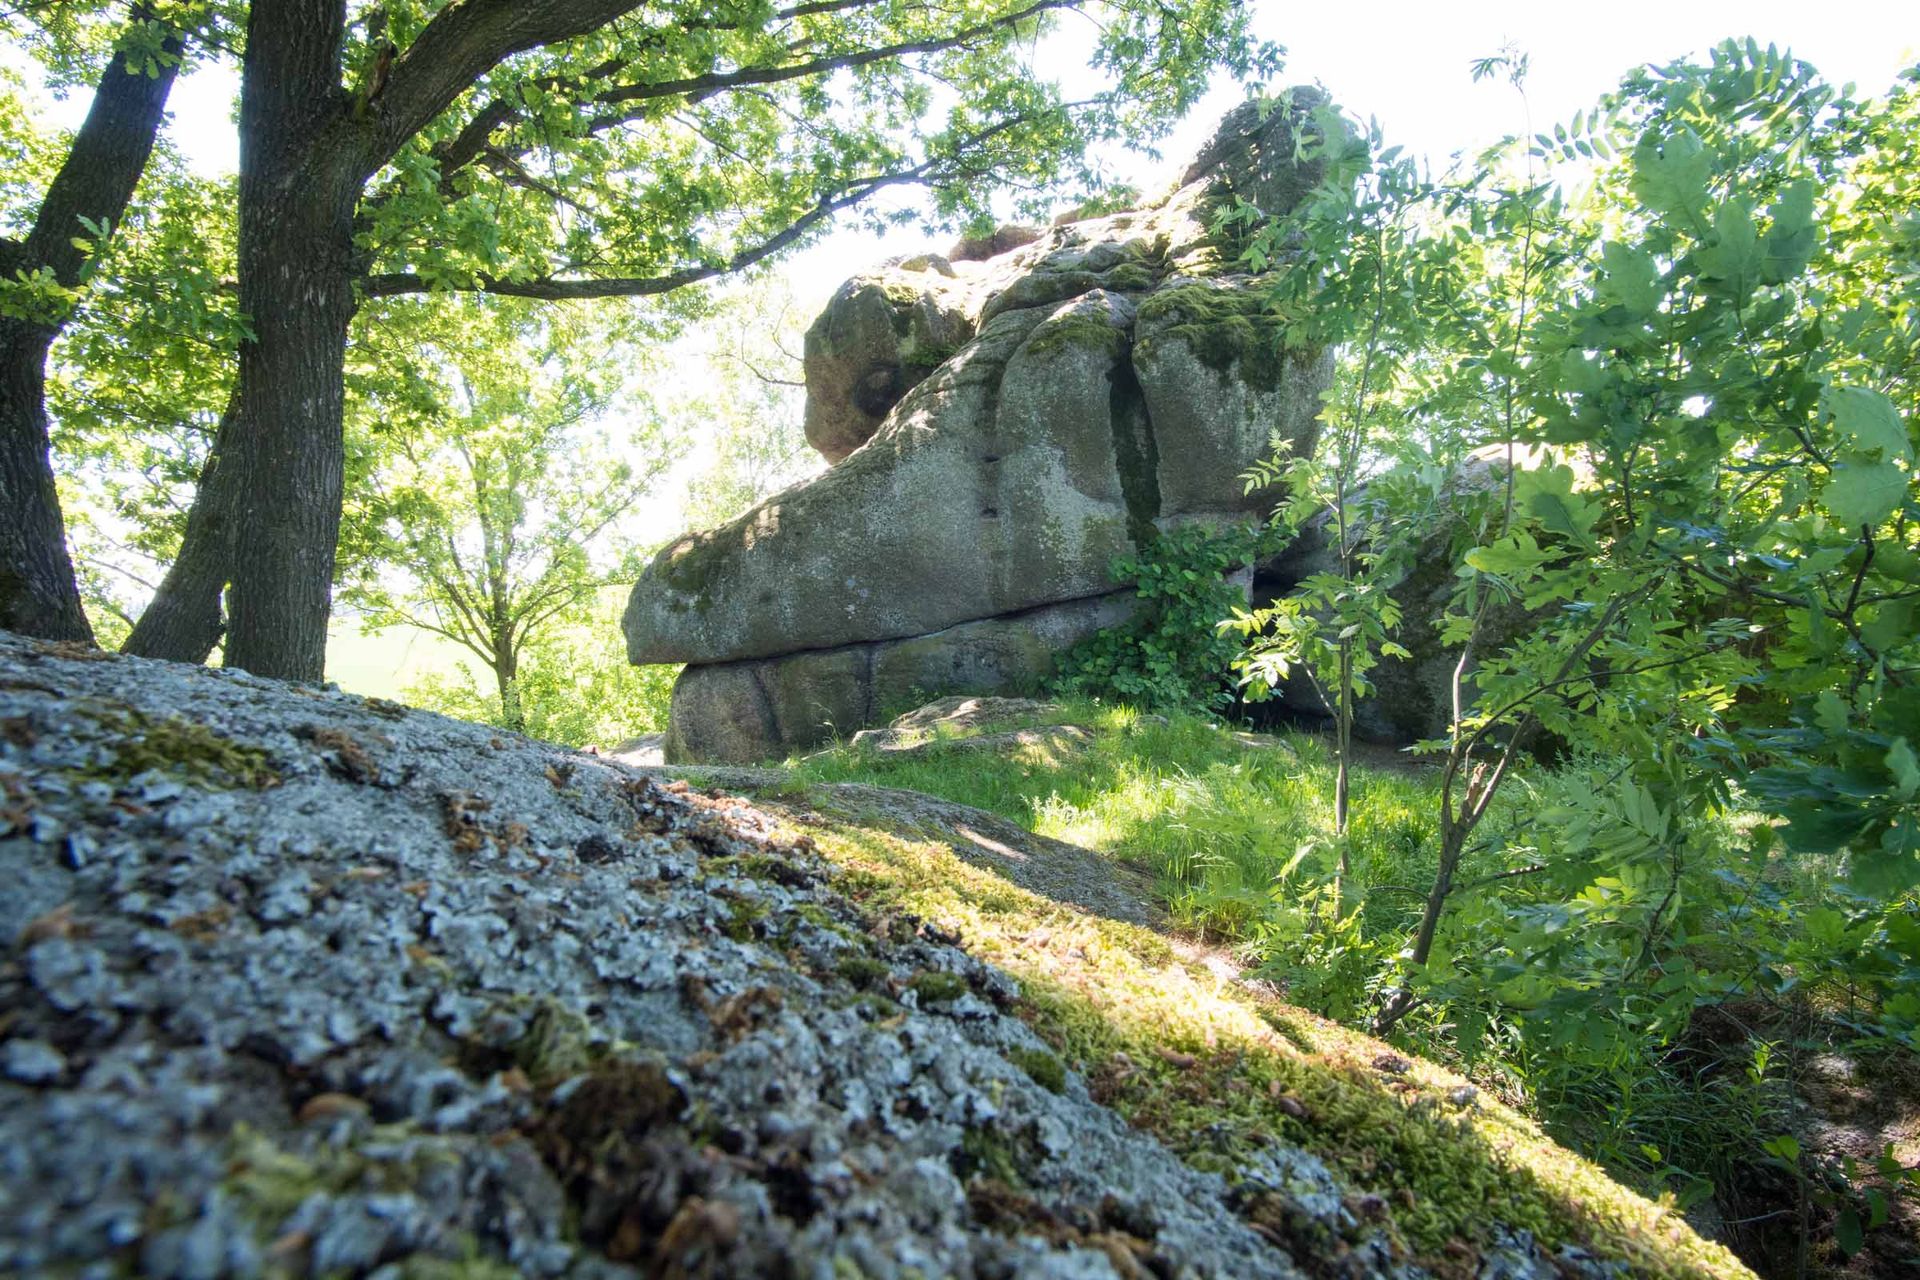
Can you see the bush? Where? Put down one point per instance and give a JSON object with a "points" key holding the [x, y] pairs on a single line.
{"points": [[1171, 655]]}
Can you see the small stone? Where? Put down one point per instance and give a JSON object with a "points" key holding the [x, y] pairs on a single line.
{"points": [[32, 1061]]}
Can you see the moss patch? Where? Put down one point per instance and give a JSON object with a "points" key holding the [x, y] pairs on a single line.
{"points": [[689, 565], [1216, 1071], [938, 988], [1045, 1070], [1077, 329], [143, 743], [1227, 328]]}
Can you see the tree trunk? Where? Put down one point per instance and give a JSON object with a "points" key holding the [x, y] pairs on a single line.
{"points": [[299, 181], [506, 675], [38, 593], [182, 622]]}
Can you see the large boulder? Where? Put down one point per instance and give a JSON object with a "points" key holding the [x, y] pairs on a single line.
{"points": [[1002, 430], [742, 712]]}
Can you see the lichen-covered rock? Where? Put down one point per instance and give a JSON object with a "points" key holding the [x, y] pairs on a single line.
{"points": [[533, 1009], [1003, 430], [305, 984], [879, 336]]}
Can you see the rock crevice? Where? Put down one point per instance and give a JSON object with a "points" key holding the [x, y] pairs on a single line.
{"points": [[1002, 430]]}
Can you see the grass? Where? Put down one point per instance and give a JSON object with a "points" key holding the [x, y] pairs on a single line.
{"points": [[1218, 1070], [1237, 830], [1213, 814]]}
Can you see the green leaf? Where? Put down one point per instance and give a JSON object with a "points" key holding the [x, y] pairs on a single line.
{"points": [[1632, 277], [1905, 768], [1892, 625], [1551, 499], [1732, 257], [1885, 873], [1847, 1231], [1513, 556], [1864, 494], [1870, 421], [1670, 173], [1831, 712], [1793, 236]]}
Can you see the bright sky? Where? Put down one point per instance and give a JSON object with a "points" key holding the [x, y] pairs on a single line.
{"points": [[1403, 63]]}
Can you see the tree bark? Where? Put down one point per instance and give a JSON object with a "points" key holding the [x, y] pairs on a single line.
{"points": [[183, 621], [39, 595], [506, 674], [297, 270]]}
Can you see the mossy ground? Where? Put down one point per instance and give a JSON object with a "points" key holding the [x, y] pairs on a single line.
{"points": [[1162, 1030], [1215, 1068]]}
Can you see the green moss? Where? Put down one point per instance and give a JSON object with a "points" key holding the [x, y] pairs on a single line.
{"points": [[558, 1043], [1129, 277], [690, 565], [268, 1182], [743, 915], [1217, 1071], [934, 987], [1227, 328], [1046, 1070], [901, 295], [987, 1153], [182, 748], [1077, 329], [862, 971]]}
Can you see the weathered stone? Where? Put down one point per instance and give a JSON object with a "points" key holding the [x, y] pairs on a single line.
{"points": [[966, 506], [1006, 726], [1252, 153], [879, 336], [1004, 239], [1096, 382], [745, 712], [1222, 392]]}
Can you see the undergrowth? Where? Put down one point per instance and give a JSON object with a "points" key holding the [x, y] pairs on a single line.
{"points": [[1656, 1020]]}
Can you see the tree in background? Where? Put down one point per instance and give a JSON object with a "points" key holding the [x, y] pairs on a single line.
{"points": [[44, 271], [589, 148], [753, 406], [494, 509]]}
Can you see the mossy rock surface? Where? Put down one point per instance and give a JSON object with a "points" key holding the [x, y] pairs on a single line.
{"points": [[490, 1007], [1001, 431]]}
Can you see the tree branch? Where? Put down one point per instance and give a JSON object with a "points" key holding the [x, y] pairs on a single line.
{"points": [[393, 284], [462, 43]]}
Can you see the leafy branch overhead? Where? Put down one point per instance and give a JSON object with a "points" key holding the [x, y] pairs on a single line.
{"points": [[658, 153]]}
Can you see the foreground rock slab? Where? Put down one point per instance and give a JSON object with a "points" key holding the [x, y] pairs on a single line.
{"points": [[313, 984], [301, 983]]}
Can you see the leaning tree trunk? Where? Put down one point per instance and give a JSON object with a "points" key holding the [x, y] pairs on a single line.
{"points": [[38, 593], [298, 185], [183, 622]]}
